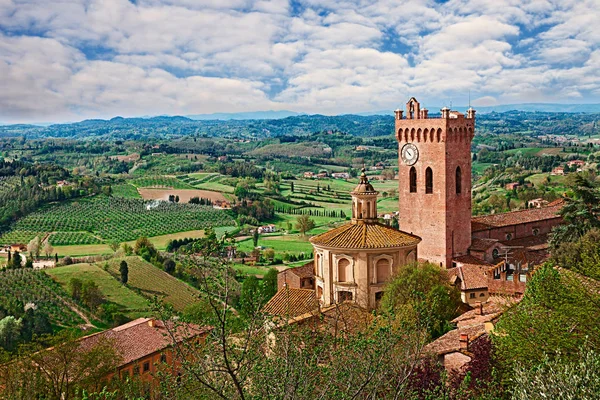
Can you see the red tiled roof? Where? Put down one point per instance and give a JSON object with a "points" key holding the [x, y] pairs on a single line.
{"points": [[515, 217], [365, 236], [305, 271], [471, 275], [478, 244], [450, 342], [137, 339], [290, 302]]}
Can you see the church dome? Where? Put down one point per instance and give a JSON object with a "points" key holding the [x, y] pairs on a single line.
{"points": [[365, 236], [364, 186]]}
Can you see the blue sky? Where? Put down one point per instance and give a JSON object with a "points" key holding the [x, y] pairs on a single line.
{"points": [[74, 59]]}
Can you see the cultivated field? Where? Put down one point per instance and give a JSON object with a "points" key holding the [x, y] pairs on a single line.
{"points": [[184, 194], [131, 304], [117, 219], [152, 281], [30, 286]]}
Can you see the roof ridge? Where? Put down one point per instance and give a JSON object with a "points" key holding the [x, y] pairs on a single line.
{"points": [[515, 212]]}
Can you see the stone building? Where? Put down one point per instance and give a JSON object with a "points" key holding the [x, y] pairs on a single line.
{"points": [[355, 260]]}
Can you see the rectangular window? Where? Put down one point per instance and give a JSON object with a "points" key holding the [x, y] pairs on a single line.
{"points": [[147, 366], [163, 358], [136, 370], [472, 295]]}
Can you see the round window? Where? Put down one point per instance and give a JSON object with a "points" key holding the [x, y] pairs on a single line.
{"points": [[536, 231], [509, 236], [495, 253]]}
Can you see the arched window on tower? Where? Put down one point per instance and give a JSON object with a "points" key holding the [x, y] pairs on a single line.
{"points": [[428, 180], [458, 180], [413, 180]]}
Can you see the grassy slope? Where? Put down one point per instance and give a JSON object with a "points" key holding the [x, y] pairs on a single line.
{"points": [[133, 305], [160, 242], [152, 281]]}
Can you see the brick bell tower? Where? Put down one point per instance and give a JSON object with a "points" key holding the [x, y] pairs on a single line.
{"points": [[435, 180]]}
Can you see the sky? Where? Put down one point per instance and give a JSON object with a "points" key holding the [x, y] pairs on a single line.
{"points": [[75, 59]]}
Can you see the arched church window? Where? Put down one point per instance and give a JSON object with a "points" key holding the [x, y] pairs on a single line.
{"points": [[428, 180], [383, 270], [458, 180], [413, 180], [344, 270]]}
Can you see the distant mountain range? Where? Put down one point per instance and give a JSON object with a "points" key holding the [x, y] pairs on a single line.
{"points": [[245, 115], [535, 118]]}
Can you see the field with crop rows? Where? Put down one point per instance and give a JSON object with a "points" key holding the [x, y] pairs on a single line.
{"points": [[118, 219], [160, 182], [30, 286], [65, 238], [153, 281]]}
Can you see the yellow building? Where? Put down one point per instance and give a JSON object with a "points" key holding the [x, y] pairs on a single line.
{"points": [[355, 260]]}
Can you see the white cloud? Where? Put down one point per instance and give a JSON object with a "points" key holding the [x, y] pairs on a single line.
{"points": [[70, 59]]}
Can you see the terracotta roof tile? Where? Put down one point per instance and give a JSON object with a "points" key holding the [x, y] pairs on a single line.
{"points": [[305, 271], [450, 342], [515, 217], [365, 236], [478, 244], [137, 339], [291, 302], [472, 276]]}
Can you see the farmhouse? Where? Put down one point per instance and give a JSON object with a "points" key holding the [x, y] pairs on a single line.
{"points": [[267, 228], [558, 171], [144, 343], [340, 175]]}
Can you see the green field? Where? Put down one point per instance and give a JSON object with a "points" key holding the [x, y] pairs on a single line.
{"points": [[131, 304], [160, 242], [117, 219], [160, 182], [290, 244], [152, 281], [125, 190]]}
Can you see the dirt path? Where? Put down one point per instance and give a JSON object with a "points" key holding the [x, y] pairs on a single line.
{"points": [[77, 311]]}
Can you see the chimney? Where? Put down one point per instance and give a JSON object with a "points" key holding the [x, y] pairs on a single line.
{"points": [[445, 112], [424, 113], [479, 308], [464, 341], [151, 323], [471, 113]]}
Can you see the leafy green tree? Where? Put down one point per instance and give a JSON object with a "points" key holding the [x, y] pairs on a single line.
{"points": [[582, 256], [114, 245], [75, 288], [250, 295], [10, 332], [91, 295], [304, 224], [255, 237], [560, 312], [124, 271], [559, 378], [581, 212], [269, 284], [169, 266], [426, 288]]}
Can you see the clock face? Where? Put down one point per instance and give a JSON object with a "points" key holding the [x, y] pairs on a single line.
{"points": [[410, 154]]}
